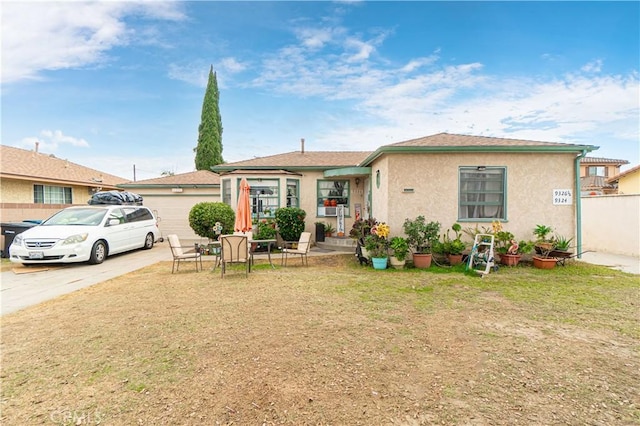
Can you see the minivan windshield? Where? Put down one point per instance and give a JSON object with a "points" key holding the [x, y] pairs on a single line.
{"points": [[86, 217]]}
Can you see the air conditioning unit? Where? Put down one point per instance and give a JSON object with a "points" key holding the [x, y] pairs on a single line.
{"points": [[330, 211]]}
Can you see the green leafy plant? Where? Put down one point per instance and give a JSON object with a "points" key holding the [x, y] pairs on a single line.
{"points": [[541, 232], [328, 228], [450, 245], [203, 217], [400, 248], [290, 222], [420, 234], [562, 243], [377, 243], [361, 228], [266, 230]]}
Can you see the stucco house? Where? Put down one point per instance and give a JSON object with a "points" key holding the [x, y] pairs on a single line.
{"points": [[471, 180], [172, 197], [595, 173], [627, 182], [34, 185]]}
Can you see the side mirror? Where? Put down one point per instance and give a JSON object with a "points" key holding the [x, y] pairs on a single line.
{"points": [[113, 222]]}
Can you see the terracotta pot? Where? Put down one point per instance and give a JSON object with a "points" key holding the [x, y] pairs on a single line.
{"points": [[509, 259], [421, 260], [327, 203], [454, 259], [544, 262], [334, 203]]}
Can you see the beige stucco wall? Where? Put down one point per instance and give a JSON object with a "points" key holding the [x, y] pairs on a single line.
{"points": [[16, 200], [531, 179], [630, 183], [611, 224]]}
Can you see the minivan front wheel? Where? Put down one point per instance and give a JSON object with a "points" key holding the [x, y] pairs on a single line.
{"points": [[98, 253], [148, 241]]}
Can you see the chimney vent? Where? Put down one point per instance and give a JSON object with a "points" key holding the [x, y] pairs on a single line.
{"points": [[302, 145], [37, 146]]}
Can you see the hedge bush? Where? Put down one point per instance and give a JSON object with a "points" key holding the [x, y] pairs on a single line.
{"points": [[290, 222], [203, 216]]}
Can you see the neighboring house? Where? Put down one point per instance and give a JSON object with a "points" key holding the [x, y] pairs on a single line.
{"points": [[172, 197], [34, 185], [448, 178], [627, 182], [594, 174]]}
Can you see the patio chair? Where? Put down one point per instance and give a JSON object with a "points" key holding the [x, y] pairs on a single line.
{"points": [[234, 249], [179, 254], [304, 243], [249, 235]]}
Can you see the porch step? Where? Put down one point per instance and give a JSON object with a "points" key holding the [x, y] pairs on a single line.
{"points": [[345, 244]]}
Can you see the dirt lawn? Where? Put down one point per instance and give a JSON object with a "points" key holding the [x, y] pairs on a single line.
{"points": [[331, 344]]}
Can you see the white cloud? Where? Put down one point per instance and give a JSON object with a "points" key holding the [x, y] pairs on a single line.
{"points": [[51, 140], [593, 66], [56, 35]]}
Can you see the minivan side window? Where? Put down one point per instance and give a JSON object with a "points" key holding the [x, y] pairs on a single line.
{"points": [[117, 214], [137, 214]]}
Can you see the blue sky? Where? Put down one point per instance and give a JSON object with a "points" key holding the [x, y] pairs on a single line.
{"points": [[111, 85]]}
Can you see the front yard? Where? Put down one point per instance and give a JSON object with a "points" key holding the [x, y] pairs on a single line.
{"points": [[332, 343]]}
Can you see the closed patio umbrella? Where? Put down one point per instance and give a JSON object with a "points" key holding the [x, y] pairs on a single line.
{"points": [[243, 211]]}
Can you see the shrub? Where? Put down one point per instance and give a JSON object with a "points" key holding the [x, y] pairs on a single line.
{"points": [[290, 222], [203, 216]]}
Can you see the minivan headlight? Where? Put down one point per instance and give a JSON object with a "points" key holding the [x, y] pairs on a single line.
{"points": [[75, 239], [17, 240]]}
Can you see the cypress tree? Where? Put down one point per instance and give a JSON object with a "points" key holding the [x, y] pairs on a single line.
{"points": [[209, 149]]}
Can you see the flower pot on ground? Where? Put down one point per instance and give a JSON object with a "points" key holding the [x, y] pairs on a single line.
{"points": [[377, 244], [379, 262], [452, 248], [544, 262], [508, 250], [421, 237], [400, 248], [397, 263], [328, 229], [509, 259], [422, 260], [544, 245]]}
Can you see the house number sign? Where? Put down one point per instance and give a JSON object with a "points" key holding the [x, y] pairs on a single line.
{"points": [[562, 197]]}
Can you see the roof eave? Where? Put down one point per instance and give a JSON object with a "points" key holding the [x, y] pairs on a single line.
{"points": [[505, 149]]}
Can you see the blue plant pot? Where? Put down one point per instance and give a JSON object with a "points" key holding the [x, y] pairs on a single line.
{"points": [[379, 262]]}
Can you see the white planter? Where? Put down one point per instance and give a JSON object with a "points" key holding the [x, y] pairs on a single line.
{"points": [[395, 263]]}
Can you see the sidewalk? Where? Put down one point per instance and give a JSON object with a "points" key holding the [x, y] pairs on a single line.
{"points": [[615, 261]]}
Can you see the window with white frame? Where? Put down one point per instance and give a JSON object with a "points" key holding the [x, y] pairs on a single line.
{"points": [[293, 193], [332, 193], [265, 197], [45, 194], [482, 193]]}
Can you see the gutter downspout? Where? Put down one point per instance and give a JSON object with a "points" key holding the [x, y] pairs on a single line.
{"points": [[579, 204]]}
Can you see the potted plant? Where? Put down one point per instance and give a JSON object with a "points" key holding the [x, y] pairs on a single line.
{"points": [[360, 229], [421, 237], [400, 248], [544, 245], [377, 245], [453, 248], [328, 229]]}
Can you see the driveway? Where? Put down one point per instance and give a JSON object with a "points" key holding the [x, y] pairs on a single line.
{"points": [[19, 291]]}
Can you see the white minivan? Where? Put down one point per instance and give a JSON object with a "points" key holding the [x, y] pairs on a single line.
{"points": [[86, 234]]}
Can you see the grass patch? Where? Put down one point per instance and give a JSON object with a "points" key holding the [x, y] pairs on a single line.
{"points": [[332, 343]]}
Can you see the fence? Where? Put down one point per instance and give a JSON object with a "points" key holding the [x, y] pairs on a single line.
{"points": [[611, 224]]}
